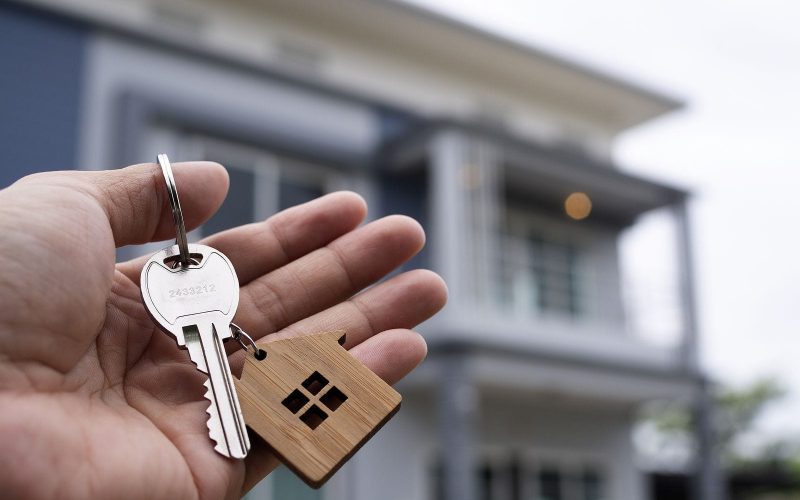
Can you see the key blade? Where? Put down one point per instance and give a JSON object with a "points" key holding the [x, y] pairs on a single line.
{"points": [[225, 423]]}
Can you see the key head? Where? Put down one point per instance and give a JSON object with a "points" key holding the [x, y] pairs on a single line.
{"points": [[176, 296]]}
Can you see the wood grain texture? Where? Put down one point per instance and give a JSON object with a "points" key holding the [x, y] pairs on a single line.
{"points": [[278, 406]]}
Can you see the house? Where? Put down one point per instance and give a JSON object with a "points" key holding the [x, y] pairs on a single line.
{"points": [[540, 362]]}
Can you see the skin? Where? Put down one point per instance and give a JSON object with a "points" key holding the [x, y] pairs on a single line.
{"points": [[95, 401]]}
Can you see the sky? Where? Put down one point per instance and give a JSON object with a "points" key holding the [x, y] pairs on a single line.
{"points": [[736, 64]]}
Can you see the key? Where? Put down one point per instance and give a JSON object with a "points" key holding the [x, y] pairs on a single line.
{"points": [[196, 304]]}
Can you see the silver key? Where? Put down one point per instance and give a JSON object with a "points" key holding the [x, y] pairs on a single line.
{"points": [[196, 304]]}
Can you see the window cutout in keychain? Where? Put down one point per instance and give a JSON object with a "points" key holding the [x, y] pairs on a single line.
{"points": [[315, 383], [333, 399], [295, 401], [314, 416]]}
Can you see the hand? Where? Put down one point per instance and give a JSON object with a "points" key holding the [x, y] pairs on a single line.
{"points": [[95, 401]]}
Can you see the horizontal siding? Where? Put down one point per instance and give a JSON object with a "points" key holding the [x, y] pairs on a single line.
{"points": [[41, 66]]}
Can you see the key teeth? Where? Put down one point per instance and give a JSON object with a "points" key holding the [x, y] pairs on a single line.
{"points": [[218, 440]]}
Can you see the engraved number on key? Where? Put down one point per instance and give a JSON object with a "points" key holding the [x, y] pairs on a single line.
{"points": [[196, 304]]}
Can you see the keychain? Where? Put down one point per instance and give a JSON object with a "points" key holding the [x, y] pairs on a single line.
{"points": [[307, 397], [312, 401]]}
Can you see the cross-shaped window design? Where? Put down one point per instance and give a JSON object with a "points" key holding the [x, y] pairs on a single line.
{"points": [[310, 397]]}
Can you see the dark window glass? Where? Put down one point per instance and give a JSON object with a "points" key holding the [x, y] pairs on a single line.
{"points": [[485, 483], [294, 191], [238, 206], [438, 481], [515, 476], [554, 273], [592, 485], [549, 484]]}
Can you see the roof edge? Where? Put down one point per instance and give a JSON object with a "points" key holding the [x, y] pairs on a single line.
{"points": [[666, 101]]}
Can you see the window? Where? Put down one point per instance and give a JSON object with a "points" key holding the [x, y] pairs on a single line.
{"points": [[261, 183], [550, 485], [296, 189], [554, 266], [238, 207], [540, 268], [520, 477]]}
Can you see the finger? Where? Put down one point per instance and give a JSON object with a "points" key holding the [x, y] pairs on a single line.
{"points": [[391, 355], [260, 461], [136, 203], [328, 275], [258, 248], [404, 301]]}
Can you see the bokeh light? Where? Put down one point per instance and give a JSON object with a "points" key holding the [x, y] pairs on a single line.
{"points": [[578, 206]]}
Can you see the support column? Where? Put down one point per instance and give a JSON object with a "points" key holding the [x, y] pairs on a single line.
{"points": [[457, 397], [447, 152], [465, 190], [690, 340], [708, 481], [458, 407]]}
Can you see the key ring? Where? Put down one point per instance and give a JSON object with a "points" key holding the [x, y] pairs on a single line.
{"points": [[238, 333], [177, 214]]}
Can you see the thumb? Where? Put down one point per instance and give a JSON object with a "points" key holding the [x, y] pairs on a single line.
{"points": [[57, 218], [137, 205]]}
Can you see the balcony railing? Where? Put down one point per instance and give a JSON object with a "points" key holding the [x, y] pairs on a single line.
{"points": [[630, 289], [615, 286]]}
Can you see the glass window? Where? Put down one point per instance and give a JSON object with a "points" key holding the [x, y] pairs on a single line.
{"points": [[522, 479], [554, 274], [539, 273], [261, 183], [295, 190], [550, 483], [486, 476], [237, 209], [592, 484]]}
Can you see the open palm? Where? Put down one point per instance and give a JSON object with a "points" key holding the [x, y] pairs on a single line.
{"points": [[95, 401]]}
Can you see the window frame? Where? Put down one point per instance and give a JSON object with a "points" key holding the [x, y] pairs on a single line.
{"points": [[571, 466], [513, 237]]}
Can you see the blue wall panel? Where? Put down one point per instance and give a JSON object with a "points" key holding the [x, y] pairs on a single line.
{"points": [[41, 68]]}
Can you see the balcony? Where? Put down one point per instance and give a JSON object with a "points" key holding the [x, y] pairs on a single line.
{"points": [[611, 290]]}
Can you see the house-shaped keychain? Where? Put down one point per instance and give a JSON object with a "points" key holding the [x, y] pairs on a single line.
{"points": [[313, 402]]}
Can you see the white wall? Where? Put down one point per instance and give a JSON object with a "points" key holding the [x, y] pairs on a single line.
{"points": [[397, 463]]}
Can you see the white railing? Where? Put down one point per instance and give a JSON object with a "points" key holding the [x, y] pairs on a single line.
{"points": [[562, 282]]}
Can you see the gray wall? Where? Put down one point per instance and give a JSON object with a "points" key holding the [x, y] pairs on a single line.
{"points": [[41, 67]]}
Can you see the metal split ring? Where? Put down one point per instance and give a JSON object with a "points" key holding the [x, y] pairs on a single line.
{"points": [[177, 214], [238, 333]]}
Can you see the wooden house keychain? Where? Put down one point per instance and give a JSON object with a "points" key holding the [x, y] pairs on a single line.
{"points": [[312, 401], [306, 396]]}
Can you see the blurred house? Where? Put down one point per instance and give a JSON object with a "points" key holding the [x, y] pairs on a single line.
{"points": [[540, 361]]}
